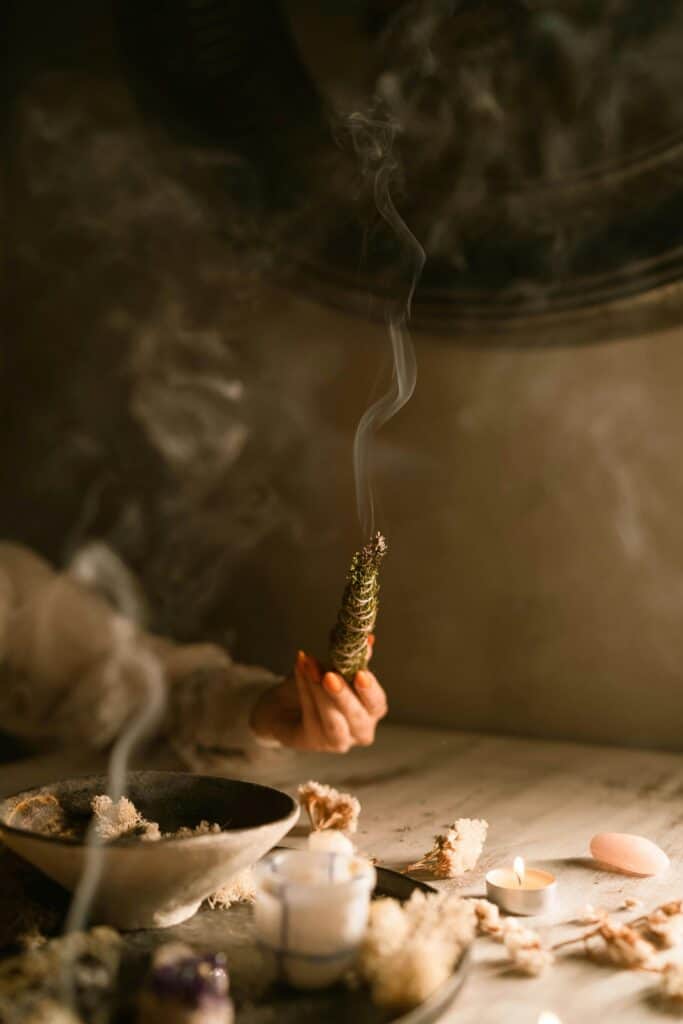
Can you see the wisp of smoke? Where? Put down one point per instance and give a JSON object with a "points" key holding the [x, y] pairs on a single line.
{"points": [[373, 141], [128, 657]]}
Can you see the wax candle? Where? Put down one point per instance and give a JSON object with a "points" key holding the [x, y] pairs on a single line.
{"points": [[521, 890], [311, 912]]}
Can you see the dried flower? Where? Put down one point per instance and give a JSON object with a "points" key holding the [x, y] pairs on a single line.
{"points": [[121, 819], [625, 946], [358, 611], [457, 851], [488, 918], [204, 828], [525, 948], [240, 889], [532, 960], [592, 915], [631, 903], [410, 949], [665, 928], [328, 808], [672, 982]]}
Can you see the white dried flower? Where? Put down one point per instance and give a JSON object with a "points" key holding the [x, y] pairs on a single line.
{"points": [[672, 982], [204, 828], [120, 819], [624, 946], [525, 948], [328, 808], [592, 915], [666, 929], [488, 918], [410, 949], [457, 850], [240, 889], [532, 960]]}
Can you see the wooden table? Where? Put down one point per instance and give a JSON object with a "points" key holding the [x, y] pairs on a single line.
{"points": [[543, 801]]}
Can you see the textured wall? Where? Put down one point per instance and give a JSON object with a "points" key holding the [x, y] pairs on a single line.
{"points": [[532, 501]]}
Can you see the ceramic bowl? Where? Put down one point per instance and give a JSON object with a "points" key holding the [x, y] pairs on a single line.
{"points": [[153, 884]]}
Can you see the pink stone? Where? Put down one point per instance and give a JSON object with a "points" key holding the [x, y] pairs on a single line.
{"points": [[634, 855]]}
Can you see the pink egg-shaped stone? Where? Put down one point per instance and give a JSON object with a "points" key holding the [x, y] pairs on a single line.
{"points": [[634, 855]]}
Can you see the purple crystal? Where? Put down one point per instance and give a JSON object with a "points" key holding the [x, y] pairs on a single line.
{"points": [[192, 980]]}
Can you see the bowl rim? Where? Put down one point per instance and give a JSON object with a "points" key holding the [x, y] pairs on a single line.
{"points": [[5, 828]]}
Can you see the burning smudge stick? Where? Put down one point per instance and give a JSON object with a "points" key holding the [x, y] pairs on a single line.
{"points": [[358, 612]]}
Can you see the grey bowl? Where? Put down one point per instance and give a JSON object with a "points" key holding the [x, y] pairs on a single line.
{"points": [[154, 884]]}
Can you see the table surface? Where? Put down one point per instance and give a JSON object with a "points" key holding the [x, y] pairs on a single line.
{"points": [[542, 800]]}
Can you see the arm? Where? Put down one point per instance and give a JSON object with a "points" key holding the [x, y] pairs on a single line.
{"points": [[77, 671]]}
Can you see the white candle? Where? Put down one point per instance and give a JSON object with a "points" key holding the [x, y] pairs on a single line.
{"points": [[521, 890], [311, 912]]}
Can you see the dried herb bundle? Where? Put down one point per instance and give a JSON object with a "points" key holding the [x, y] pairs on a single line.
{"points": [[358, 612]]}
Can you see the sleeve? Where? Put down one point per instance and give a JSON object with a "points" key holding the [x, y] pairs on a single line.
{"points": [[211, 699], [74, 670]]}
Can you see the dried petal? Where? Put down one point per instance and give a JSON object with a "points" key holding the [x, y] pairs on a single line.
{"points": [[328, 808], [457, 851], [488, 918]]}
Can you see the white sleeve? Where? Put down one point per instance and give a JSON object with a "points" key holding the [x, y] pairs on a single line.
{"points": [[210, 707]]}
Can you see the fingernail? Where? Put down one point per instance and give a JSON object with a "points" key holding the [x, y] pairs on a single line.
{"points": [[332, 683], [363, 680], [310, 669], [371, 639]]}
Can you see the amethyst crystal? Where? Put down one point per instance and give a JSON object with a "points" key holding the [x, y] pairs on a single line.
{"points": [[192, 980]]}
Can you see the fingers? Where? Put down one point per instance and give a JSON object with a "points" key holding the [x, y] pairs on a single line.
{"points": [[371, 645], [335, 726], [311, 726], [370, 694], [361, 725], [333, 716]]}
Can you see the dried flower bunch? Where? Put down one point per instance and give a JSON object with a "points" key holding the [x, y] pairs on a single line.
{"points": [[410, 949], [121, 819], [652, 942], [328, 808], [358, 612], [455, 852]]}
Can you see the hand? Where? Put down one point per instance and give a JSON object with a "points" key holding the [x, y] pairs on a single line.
{"points": [[313, 710]]}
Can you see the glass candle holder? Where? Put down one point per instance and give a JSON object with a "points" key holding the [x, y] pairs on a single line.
{"points": [[311, 912]]}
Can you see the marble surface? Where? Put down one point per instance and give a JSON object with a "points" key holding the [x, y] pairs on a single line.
{"points": [[544, 801]]}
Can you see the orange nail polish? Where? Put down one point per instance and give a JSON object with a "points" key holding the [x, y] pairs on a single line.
{"points": [[310, 669], [332, 683], [371, 639], [363, 680]]}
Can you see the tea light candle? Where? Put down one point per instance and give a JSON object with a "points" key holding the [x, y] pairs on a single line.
{"points": [[521, 890], [311, 912]]}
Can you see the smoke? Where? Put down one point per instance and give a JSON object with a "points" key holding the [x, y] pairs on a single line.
{"points": [[127, 657], [173, 417], [373, 140]]}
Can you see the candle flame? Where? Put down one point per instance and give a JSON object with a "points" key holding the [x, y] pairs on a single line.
{"points": [[548, 1017], [518, 868]]}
